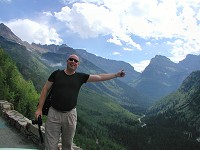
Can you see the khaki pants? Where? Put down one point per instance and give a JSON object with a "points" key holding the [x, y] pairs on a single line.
{"points": [[60, 123]]}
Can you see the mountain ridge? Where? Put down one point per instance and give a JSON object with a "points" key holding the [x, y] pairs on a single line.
{"points": [[4, 30], [183, 103], [160, 77], [34, 59]]}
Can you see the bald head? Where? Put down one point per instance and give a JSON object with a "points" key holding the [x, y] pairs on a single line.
{"points": [[73, 56]]}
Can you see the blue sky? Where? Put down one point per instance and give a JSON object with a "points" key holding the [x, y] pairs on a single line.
{"points": [[133, 31]]}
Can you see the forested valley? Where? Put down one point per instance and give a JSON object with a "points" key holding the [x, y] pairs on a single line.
{"points": [[102, 123]]}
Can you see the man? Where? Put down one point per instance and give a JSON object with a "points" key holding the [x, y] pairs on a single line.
{"points": [[62, 116]]}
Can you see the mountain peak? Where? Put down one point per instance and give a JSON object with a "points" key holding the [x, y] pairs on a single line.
{"points": [[160, 61], [6, 33], [160, 58], [4, 28], [191, 62]]}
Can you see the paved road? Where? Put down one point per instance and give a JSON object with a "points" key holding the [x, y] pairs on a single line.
{"points": [[11, 138]]}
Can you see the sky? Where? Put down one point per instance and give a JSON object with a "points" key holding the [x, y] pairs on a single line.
{"points": [[134, 31]]}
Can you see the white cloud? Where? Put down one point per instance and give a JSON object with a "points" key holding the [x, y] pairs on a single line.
{"points": [[56, 65], [48, 14], [82, 1], [116, 53], [141, 65], [31, 31], [126, 23], [68, 1], [81, 19], [125, 19], [148, 43], [90, 21], [6, 1], [127, 49], [115, 41], [181, 48]]}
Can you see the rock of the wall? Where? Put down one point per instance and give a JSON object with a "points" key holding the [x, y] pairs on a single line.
{"points": [[20, 122], [24, 124]]}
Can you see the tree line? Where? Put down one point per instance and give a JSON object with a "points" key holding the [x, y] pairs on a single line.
{"points": [[15, 89]]}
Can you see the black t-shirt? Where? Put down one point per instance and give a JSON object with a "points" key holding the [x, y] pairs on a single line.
{"points": [[66, 89]]}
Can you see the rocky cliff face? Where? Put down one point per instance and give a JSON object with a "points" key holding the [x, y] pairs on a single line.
{"points": [[162, 76], [8, 34]]}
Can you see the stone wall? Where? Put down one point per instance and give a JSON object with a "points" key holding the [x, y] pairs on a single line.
{"points": [[24, 124]]}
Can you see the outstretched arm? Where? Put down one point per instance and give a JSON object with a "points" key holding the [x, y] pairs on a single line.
{"points": [[104, 77]]}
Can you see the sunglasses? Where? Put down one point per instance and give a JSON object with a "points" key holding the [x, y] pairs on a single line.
{"points": [[74, 60]]}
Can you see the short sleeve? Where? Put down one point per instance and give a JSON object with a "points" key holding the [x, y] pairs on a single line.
{"points": [[86, 76], [52, 76], [83, 77]]}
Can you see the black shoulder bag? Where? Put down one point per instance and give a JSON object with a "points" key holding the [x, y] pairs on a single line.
{"points": [[47, 103]]}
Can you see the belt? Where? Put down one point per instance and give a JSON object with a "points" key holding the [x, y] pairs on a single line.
{"points": [[62, 110]]}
